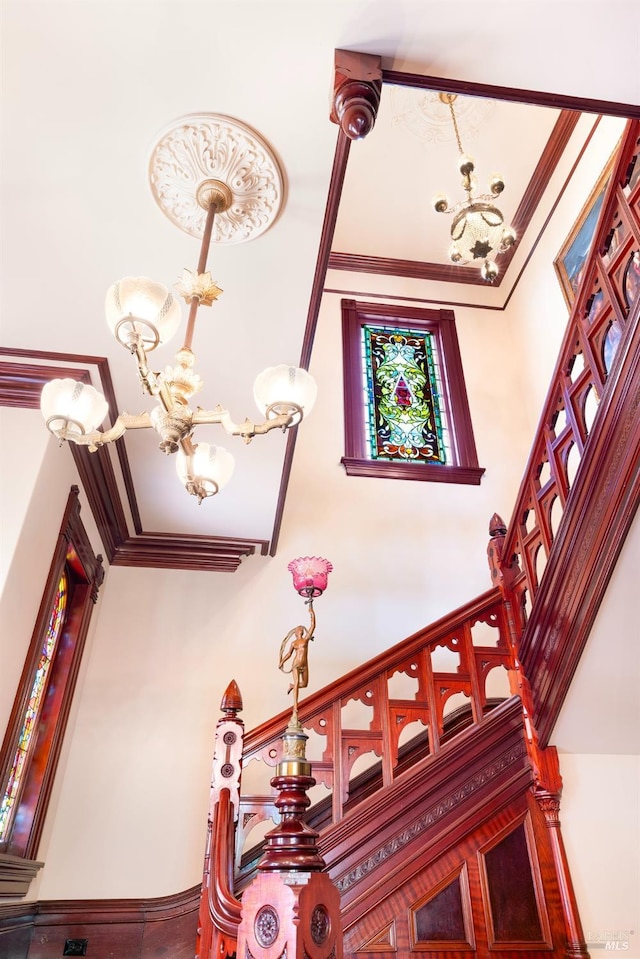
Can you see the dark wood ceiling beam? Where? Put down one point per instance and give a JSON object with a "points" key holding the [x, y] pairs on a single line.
{"points": [[559, 101]]}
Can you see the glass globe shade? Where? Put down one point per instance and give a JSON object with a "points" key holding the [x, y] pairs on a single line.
{"points": [[211, 469], [310, 575], [72, 408], [137, 307], [285, 389]]}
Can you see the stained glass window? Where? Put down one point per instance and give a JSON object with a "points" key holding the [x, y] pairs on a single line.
{"points": [[406, 412], [404, 404], [34, 704]]}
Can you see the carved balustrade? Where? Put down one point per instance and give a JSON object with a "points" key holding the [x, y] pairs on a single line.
{"points": [[409, 700], [601, 323]]}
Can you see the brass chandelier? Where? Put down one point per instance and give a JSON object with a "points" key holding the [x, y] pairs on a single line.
{"points": [[478, 230], [204, 167]]}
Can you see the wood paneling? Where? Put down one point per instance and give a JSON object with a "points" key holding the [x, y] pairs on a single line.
{"points": [[397, 903], [123, 928]]}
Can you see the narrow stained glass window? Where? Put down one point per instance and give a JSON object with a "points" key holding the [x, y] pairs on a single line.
{"points": [[36, 696], [405, 416], [406, 412]]}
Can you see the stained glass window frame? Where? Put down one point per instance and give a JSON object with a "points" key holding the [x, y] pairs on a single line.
{"points": [[383, 422], [12, 788], [74, 556], [462, 462]]}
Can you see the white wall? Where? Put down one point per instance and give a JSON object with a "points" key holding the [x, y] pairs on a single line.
{"points": [[32, 506], [136, 766], [600, 816]]}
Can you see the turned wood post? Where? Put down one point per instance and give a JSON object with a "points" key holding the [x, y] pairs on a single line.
{"points": [[291, 909], [219, 914], [547, 790], [356, 92]]}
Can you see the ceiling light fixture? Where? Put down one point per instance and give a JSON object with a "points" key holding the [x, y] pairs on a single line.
{"points": [[216, 178], [478, 231]]}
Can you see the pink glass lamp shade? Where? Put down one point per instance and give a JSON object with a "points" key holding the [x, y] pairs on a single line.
{"points": [[310, 575]]}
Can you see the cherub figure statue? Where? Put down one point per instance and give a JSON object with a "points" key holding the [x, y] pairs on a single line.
{"points": [[298, 639]]}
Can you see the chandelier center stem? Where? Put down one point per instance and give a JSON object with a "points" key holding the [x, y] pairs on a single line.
{"points": [[202, 265]]}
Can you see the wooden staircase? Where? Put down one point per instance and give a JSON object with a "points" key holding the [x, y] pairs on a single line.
{"points": [[448, 839]]}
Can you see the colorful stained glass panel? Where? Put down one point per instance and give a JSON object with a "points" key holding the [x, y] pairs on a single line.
{"points": [[34, 704], [403, 403]]}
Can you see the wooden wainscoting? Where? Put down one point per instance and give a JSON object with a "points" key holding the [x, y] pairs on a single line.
{"points": [[114, 928]]}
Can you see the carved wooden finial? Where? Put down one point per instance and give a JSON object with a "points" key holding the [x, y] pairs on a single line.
{"points": [[232, 700], [356, 92], [497, 526]]}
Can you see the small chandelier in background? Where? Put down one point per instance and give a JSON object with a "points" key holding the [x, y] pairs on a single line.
{"points": [[478, 231], [203, 167]]}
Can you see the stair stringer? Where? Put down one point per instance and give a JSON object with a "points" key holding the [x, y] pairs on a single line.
{"points": [[402, 843], [427, 810], [399, 899]]}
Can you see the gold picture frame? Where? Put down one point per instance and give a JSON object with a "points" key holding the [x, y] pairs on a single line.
{"points": [[573, 254]]}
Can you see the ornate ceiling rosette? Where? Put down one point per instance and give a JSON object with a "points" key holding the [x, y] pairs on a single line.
{"points": [[209, 152], [424, 114]]}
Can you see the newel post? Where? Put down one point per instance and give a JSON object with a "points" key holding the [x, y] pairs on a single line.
{"points": [[291, 909], [219, 914], [547, 790]]}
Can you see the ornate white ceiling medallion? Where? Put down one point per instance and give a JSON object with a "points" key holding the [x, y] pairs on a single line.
{"points": [[209, 151], [423, 114]]}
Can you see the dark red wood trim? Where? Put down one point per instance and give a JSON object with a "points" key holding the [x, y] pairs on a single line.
{"points": [[420, 472], [598, 515], [60, 911], [441, 323], [417, 269], [86, 575], [168, 551], [357, 84], [336, 182], [412, 300], [560, 101], [561, 193], [443, 272], [99, 482], [136, 928], [554, 148], [20, 373], [21, 385]]}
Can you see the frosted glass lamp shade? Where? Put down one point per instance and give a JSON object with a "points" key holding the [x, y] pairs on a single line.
{"points": [[71, 408], [206, 471], [310, 575], [139, 309], [285, 389]]}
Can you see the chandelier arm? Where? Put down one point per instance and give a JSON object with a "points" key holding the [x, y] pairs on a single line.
{"points": [[202, 265], [246, 429], [97, 438]]}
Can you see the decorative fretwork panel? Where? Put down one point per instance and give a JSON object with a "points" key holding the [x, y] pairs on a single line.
{"points": [[398, 709], [608, 295]]}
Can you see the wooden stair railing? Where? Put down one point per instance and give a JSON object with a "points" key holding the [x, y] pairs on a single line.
{"points": [[436, 690], [590, 418], [593, 400]]}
